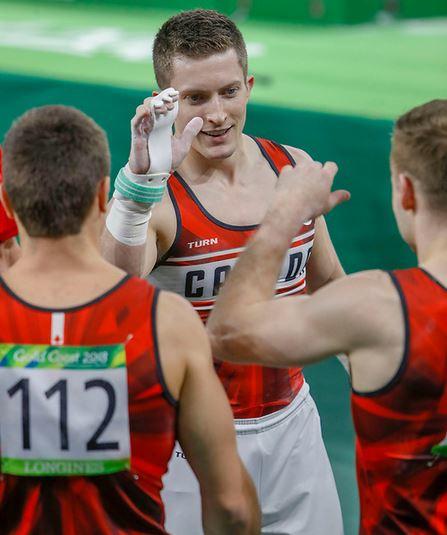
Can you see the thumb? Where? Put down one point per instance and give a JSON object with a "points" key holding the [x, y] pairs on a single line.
{"points": [[337, 197], [191, 130]]}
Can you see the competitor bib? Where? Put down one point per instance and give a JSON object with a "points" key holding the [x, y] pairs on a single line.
{"points": [[64, 410]]}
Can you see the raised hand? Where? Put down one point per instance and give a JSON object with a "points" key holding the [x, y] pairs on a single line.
{"points": [[308, 187], [154, 149]]}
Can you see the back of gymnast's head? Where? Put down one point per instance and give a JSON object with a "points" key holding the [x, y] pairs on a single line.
{"points": [[54, 158], [419, 149]]}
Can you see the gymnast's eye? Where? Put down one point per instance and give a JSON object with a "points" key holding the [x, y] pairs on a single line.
{"points": [[231, 91], [195, 98]]}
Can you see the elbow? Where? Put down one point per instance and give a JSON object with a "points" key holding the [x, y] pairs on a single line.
{"points": [[226, 340], [238, 516], [216, 337], [236, 339]]}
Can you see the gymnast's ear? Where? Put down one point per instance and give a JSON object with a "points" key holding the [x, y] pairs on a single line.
{"points": [[407, 192], [4, 200], [103, 194]]}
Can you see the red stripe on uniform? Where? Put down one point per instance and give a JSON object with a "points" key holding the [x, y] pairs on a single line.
{"points": [[201, 261]]}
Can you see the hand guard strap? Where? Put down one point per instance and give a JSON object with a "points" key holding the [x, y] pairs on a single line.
{"points": [[160, 137], [147, 189]]}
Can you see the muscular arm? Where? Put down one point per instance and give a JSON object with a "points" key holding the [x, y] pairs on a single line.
{"points": [[298, 330], [300, 195], [359, 315], [205, 425]]}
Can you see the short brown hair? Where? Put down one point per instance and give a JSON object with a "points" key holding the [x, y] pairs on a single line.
{"points": [[53, 160], [420, 149], [198, 33]]}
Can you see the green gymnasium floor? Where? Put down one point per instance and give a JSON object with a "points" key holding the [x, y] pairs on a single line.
{"points": [[99, 60], [370, 70]]}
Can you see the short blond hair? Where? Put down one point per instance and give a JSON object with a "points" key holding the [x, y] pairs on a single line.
{"points": [[197, 34], [420, 149]]}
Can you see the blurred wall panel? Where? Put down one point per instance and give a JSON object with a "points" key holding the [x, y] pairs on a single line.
{"points": [[293, 11]]}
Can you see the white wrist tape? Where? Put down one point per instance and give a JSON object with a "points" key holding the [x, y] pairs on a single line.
{"points": [[128, 221], [160, 137]]}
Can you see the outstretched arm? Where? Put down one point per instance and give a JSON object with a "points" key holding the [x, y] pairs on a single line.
{"points": [[247, 324], [360, 315], [344, 316]]}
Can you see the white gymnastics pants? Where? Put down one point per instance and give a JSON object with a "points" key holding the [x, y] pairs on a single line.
{"points": [[286, 458]]}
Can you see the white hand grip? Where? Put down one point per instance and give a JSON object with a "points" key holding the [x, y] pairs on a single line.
{"points": [[159, 142]]}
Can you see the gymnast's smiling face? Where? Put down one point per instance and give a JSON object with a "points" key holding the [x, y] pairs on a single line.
{"points": [[213, 88]]}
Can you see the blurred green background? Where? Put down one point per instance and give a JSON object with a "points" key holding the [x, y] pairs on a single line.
{"points": [[331, 76]]}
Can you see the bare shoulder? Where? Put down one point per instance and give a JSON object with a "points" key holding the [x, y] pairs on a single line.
{"points": [[365, 305], [299, 155], [370, 279], [377, 330], [368, 288], [178, 315], [179, 327]]}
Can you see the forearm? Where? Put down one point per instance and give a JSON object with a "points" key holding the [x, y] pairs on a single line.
{"points": [[243, 312], [128, 240], [260, 263], [131, 258]]}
